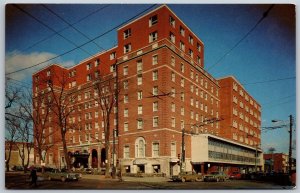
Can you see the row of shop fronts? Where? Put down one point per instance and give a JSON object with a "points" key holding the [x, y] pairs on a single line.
{"points": [[209, 153]]}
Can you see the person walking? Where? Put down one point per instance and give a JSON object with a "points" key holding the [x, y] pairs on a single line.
{"points": [[33, 176]]}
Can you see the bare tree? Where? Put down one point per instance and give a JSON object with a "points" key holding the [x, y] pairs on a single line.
{"points": [[11, 120], [62, 108], [106, 88]]}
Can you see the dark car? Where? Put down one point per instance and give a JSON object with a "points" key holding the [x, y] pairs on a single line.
{"points": [[56, 174], [215, 177], [187, 176], [88, 171]]}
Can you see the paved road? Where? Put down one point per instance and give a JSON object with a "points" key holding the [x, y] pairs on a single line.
{"points": [[20, 181]]}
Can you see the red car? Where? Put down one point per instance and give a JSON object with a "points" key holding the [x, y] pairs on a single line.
{"points": [[235, 175]]}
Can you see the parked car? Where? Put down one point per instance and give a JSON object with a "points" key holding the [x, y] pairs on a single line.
{"points": [[235, 176], [187, 176], [88, 170], [215, 177], [56, 174]]}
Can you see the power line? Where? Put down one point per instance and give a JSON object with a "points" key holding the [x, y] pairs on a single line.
{"points": [[69, 51], [50, 28], [70, 25], [265, 14], [274, 80], [50, 36]]}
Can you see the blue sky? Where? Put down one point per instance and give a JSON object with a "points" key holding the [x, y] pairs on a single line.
{"points": [[267, 53]]}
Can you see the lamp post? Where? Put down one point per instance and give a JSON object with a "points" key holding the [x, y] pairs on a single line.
{"points": [[290, 141]]}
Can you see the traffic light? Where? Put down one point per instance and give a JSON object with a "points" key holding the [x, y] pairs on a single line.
{"points": [[178, 156]]}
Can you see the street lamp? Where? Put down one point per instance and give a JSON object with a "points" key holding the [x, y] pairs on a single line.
{"points": [[290, 142]]}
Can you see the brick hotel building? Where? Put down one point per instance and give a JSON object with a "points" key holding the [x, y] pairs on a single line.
{"points": [[163, 90]]}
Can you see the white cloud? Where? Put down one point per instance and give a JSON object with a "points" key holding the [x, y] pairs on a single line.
{"points": [[16, 60]]}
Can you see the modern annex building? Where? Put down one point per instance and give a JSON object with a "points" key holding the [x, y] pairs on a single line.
{"points": [[168, 107]]}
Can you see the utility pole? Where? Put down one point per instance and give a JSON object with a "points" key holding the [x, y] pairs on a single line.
{"points": [[182, 151], [290, 146]]}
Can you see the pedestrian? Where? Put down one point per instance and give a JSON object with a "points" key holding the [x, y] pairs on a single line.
{"points": [[33, 176]]}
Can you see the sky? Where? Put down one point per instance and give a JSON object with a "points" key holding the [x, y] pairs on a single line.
{"points": [[264, 61]]}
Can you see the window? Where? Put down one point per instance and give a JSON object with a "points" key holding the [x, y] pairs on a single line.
{"points": [[181, 31], [172, 60], [182, 68], [192, 102], [152, 36], [173, 76], [172, 37], [125, 98], [173, 92], [125, 126], [140, 95], [152, 20], [125, 84], [140, 110], [127, 48], [192, 114], [126, 151], [191, 40], [139, 124], [96, 74], [197, 104], [154, 59], [155, 106], [192, 88], [125, 70], [198, 47], [97, 62], [139, 80], [172, 21], [182, 82], [140, 147], [155, 121], [112, 68], [155, 149], [88, 77], [155, 75], [155, 90], [181, 46], [199, 60], [48, 73], [113, 55], [127, 33], [126, 112], [173, 122], [173, 107], [182, 96], [88, 66], [139, 66], [173, 149], [182, 111], [191, 53]]}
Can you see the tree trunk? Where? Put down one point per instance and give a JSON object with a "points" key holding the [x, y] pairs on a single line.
{"points": [[65, 149], [107, 149]]}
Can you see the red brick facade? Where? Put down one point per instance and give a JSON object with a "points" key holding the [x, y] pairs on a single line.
{"points": [[159, 67]]}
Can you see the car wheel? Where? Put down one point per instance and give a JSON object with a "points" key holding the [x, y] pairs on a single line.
{"points": [[198, 179], [49, 178], [63, 179], [182, 179]]}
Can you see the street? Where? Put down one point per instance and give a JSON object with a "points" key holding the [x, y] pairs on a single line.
{"points": [[19, 181]]}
